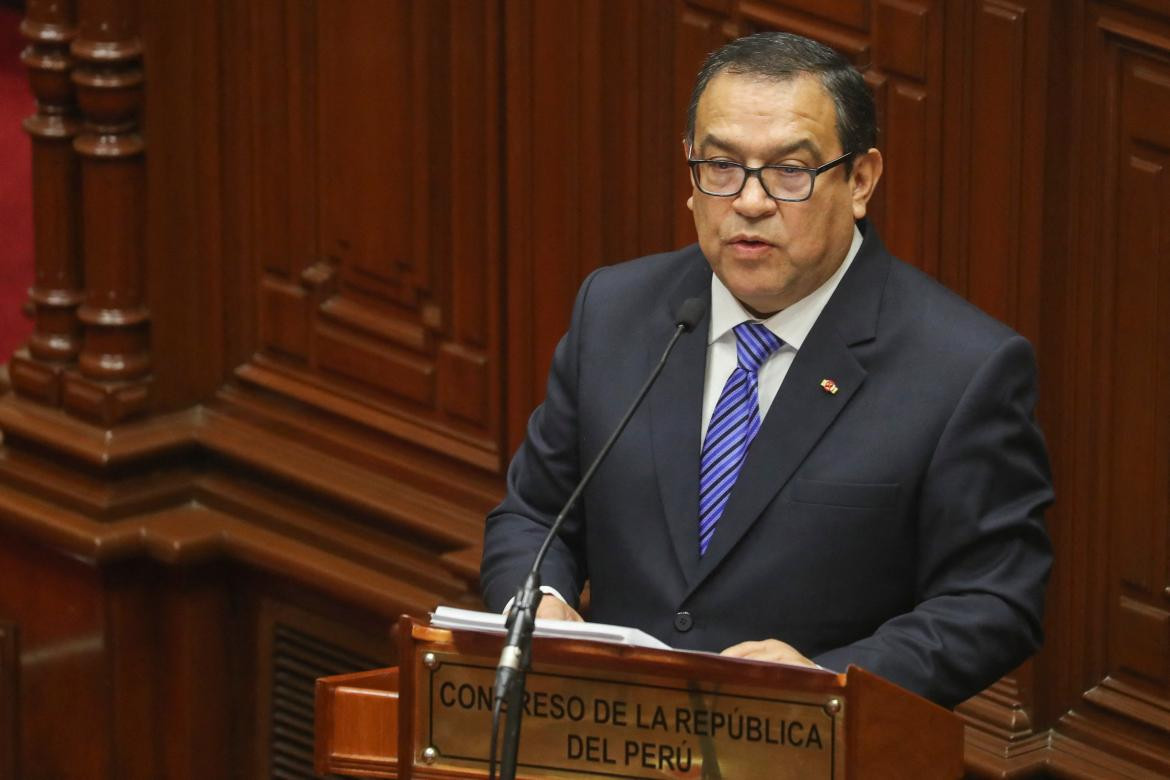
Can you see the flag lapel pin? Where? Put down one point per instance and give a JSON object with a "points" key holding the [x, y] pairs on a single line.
{"points": [[829, 386]]}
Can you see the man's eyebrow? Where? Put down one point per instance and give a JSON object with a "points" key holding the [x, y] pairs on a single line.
{"points": [[805, 144]]}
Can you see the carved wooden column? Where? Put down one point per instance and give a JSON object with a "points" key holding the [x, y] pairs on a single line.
{"points": [[37, 370], [113, 381]]}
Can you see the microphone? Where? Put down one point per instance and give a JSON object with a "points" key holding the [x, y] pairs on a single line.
{"points": [[515, 657]]}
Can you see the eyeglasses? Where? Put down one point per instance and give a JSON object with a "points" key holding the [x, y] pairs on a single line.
{"points": [[726, 179]]}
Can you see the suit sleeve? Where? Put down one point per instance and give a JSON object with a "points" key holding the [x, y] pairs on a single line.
{"points": [[983, 555], [540, 478]]}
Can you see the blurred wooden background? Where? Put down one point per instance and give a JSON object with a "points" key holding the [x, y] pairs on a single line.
{"points": [[300, 267]]}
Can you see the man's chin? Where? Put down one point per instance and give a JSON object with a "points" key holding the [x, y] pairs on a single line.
{"points": [[759, 303]]}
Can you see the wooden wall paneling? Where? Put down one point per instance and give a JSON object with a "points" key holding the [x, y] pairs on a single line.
{"points": [[847, 13], [198, 687], [37, 370], [902, 37], [907, 186], [9, 700], [993, 245], [362, 544], [1031, 273], [589, 143], [996, 155], [135, 669], [246, 429], [544, 173], [239, 199], [1140, 639], [469, 361], [273, 90], [956, 140], [560, 153], [384, 294], [1136, 250], [907, 71], [592, 156], [368, 148], [1067, 404], [404, 553], [663, 184], [113, 380], [167, 671], [523, 384], [183, 117], [276, 109], [380, 262], [1122, 257], [758, 15], [446, 350], [63, 678], [641, 151]]}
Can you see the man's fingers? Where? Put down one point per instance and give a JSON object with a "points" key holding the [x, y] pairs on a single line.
{"points": [[552, 608], [772, 650], [743, 649]]}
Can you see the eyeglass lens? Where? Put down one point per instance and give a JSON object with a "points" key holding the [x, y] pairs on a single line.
{"points": [[720, 177]]}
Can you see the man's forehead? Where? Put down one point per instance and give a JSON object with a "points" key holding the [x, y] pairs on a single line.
{"points": [[785, 115], [809, 84], [789, 145], [801, 94]]}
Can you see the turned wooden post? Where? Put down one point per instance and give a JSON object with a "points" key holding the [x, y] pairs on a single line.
{"points": [[37, 370], [112, 382]]}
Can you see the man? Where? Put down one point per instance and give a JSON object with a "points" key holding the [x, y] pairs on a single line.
{"points": [[839, 464]]}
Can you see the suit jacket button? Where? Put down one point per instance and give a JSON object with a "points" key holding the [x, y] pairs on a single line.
{"points": [[683, 621]]}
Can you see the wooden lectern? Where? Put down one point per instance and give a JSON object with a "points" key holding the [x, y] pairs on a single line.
{"points": [[601, 710]]}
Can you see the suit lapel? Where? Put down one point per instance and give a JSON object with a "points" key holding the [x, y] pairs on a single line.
{"points": [[799, 416], [802, 410], [676, 408]]}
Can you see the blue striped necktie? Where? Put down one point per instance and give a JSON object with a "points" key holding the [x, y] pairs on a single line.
{"points": [[734, 423]]}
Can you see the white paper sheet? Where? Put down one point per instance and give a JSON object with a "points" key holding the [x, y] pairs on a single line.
{"points": [[452, 617]]}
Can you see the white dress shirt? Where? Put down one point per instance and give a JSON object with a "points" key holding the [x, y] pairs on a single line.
{"points": [[791, 325]]}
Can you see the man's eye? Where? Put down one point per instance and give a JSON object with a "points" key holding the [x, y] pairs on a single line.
{"points": [[723, 165], [789, 171]]}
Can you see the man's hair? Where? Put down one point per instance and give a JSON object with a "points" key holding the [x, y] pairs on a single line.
{"points": [[782, 56]]}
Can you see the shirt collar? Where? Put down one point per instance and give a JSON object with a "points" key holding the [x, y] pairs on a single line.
{"points": [[793, 324]]}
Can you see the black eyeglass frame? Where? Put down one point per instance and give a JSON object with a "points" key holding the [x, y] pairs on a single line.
{"points": [[748, 172]]}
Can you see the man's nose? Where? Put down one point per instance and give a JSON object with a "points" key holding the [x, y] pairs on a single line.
{"points": [[752, 200]]}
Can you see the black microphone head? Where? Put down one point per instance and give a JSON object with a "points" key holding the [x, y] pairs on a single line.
{"points": [[690, 312]]}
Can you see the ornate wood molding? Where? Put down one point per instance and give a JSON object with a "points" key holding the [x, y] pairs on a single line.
{"points": [[337, 521], [113, 381], [37, 370]]}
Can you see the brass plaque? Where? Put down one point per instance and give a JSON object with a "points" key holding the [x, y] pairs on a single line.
{"points": [[580, 725]]}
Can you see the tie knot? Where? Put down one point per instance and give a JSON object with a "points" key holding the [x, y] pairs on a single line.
{"points": [[755, 343]]}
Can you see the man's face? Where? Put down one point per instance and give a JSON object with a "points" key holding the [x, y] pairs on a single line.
{"points": [[770, 253]]}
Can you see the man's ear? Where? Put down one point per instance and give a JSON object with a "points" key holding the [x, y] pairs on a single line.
{"points": [[867, 170], [687, 156]]}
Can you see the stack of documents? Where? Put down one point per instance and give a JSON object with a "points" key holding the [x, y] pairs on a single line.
{"points": [[451, 617]]}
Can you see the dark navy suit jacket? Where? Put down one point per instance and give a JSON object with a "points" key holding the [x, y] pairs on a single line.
{"points": [[895, 524]]}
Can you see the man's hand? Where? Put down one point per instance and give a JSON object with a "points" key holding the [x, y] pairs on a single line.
{"points": [[768, 650], [553, 608]]}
